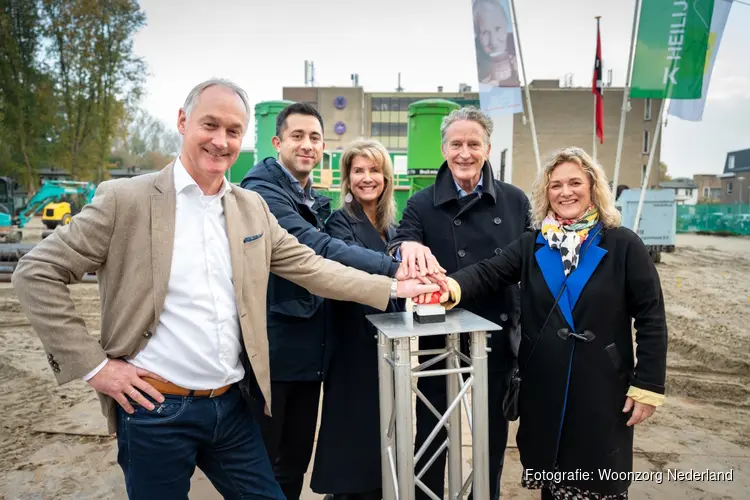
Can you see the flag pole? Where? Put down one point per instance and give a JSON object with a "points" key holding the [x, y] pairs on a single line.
{"points": [[625, 99], [526, 87], [595, 96], [594, 147]]}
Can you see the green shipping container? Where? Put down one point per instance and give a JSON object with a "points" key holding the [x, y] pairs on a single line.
{"points": [[265, 127], [424, 156]]}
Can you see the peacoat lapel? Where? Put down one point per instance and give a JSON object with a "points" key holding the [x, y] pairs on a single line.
{"points": [[163, 208], [550, 263], [365, 232], [587, 264], [234, 233]]}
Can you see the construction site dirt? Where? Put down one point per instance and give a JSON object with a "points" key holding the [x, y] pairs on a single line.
{"points": [[53, 441]]}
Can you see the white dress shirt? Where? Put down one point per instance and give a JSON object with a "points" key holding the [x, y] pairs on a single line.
{"points": [[197, 341]]}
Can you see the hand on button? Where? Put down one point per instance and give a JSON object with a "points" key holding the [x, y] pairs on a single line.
{"points": [[417, 260]]}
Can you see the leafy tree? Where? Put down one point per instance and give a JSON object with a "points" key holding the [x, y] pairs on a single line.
{"points": [[26, 98], [663, 174], [145, 143], [97, 75]]}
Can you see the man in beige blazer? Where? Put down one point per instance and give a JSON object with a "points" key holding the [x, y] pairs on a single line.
{"points": [[183, 260]]}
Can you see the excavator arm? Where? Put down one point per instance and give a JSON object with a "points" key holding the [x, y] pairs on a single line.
{"points": [[52, 191]]}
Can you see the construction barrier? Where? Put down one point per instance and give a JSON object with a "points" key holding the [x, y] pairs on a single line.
{"points": [[714, 219]]}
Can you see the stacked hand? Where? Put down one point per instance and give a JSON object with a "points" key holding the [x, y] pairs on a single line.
{"points": [[420, 267]]}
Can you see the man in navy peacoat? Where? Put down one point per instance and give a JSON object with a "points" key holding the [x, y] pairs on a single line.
{"points": [[465, 217]]}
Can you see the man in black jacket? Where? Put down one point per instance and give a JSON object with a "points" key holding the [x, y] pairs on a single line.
{"points": [[464, 218], [298, 321]]}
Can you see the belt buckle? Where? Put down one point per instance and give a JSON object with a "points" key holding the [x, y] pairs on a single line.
{"points": [[212, 393]]}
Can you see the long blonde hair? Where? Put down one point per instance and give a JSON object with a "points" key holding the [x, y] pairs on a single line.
{"points": [[375, 152], [601, 195]]}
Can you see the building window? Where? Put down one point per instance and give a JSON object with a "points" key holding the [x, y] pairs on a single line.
{"points": [[381, 104], [378, 129], [729, 187], [400, 103], [643, 175], [394, 129], [647, 109], [731, 162], [706, 192], [646, 142]]}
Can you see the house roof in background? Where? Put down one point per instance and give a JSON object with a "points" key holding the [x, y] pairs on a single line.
{"points": [[740, 159]]}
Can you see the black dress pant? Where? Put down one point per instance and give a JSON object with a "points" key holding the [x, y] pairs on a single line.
{"points": [[290, 433], [434, 389]]}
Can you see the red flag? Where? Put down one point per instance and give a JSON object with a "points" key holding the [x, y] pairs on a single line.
{"points": [[596, 87]]}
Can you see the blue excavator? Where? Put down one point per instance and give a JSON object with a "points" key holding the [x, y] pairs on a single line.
{"points": [[63, 198]]}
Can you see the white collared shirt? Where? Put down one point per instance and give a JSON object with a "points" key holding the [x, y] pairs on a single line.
{"points": [[196, 344]]}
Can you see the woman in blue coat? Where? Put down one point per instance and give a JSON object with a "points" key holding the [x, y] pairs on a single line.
{"points": [[347, 457], [584, 279]]}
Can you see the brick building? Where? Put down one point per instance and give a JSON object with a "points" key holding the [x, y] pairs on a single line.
{"points": [[564, 117], [709, 187]]}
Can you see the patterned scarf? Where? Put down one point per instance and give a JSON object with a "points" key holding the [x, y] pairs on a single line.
{"points": [[567, 235]]}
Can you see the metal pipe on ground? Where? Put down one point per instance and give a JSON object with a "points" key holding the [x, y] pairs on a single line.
{"points": [[11, 252]]}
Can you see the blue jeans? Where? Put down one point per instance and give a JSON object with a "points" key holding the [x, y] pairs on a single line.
{"points": [[158, 450]]}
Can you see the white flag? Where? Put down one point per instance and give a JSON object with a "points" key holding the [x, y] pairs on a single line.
{"points": [[692, 109]]}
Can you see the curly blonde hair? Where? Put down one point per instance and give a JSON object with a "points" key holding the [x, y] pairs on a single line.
{"points": [[375, 152], [601, 195]]}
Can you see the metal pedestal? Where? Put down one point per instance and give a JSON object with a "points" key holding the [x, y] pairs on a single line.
{"points": [[398, 380]]}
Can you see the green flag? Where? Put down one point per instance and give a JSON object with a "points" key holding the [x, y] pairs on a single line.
{"points": [[670, 52]]}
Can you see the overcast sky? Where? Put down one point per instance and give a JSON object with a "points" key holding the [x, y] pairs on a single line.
{"points": [[262, 46]]}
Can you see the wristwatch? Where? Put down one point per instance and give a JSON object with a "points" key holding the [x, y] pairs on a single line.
{"points": [[394, 288]]}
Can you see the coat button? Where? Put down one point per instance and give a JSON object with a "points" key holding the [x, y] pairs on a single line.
{"points": [[503, 317], [457, 222], [147, 334], [497, 220], [498, 251], [461, 253]]}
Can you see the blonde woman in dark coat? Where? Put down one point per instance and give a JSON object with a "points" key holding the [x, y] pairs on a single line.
{"points": [[581, 392], [347, 457]]}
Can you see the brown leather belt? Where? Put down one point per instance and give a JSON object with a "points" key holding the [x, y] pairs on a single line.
{"points": [[176, 390]]}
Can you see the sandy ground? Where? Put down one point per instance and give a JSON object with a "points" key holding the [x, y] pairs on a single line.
{"points": [[51, 442]]}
